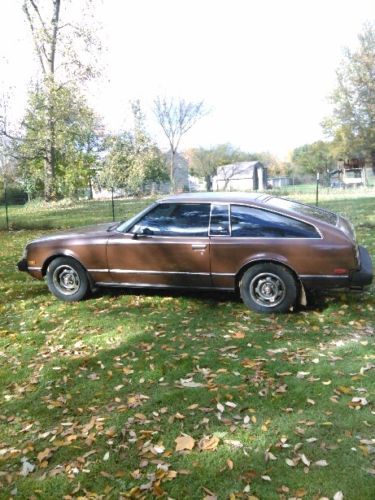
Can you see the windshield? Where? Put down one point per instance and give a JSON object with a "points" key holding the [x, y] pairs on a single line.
{"points": [[301, 209]]}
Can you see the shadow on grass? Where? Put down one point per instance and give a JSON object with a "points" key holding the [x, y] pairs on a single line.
{"points": [[205, 295]]}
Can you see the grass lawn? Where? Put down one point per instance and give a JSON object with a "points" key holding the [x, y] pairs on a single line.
{"points": [[93, 395], [69, 214]]}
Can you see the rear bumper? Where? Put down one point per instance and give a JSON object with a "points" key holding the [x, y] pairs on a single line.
{"points": [[363, 276], [22, 265], [357, 280]]}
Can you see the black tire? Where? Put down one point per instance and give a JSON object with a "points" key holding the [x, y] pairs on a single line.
{"points": [[268, 288], [67, 279]]}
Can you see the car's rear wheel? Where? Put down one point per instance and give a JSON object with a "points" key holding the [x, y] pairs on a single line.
{"points": [[67, 279], [268, 288]]}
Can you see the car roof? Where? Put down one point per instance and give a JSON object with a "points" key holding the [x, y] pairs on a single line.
{"points": [[216, 197], [260, 200]]}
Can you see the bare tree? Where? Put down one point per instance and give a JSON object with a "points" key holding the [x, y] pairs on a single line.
{"points": [[176, 118]]}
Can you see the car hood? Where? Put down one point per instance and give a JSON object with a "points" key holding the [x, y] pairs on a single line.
{"points": [[95, 231]]}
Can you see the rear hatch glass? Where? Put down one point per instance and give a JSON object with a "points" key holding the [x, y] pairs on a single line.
{"points": [[301, 209]]}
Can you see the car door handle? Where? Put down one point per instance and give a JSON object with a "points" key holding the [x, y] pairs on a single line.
{"points": [[198, 247]]}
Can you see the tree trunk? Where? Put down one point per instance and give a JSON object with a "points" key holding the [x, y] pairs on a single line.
{"points": [[208, 183], [50, 158], [91, 193], [47, 58], [171, 170], [49, 177]]}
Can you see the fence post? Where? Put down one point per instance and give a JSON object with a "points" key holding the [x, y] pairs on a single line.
{"points": [[6, 204], [317, 189], [113, 207]]}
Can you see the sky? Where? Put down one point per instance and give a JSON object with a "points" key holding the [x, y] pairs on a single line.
{"points": [[264, 68]]}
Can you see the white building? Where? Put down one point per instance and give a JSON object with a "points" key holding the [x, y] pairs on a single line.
{"points": [[241, 176]]}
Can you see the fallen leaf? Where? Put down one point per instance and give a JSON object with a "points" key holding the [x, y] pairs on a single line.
{"points": [[305, 460], [290, 462], [190, 383], [208, 443], [44, 455], [302, 374], [238, 335], [321, 463], [220, 407], [184, 443]]}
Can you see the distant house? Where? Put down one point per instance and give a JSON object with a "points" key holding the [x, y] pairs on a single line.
{"points": [[278, 182], [241, 176], [352, 173]]}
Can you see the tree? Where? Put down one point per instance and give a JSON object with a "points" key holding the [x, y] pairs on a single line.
{"points": [[274, 165], [352, 124], [132, 159], [7, 161], [313, 158], [56, 44], [203, 163], [76, 144], [176, 118]]}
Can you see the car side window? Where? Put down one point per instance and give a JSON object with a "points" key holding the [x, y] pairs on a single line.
{"points": [[258, 223], [175, 219], [219, 222]]}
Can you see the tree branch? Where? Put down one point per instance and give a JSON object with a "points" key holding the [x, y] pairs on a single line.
{"points": [[37, 48]]}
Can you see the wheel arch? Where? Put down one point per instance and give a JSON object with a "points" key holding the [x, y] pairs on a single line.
{"points": [[49, 259], [262, 260]]}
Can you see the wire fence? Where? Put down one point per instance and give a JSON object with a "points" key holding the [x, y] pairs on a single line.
{"points": [[16, 213]]}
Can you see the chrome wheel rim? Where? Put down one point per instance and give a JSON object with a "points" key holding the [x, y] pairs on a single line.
{"points": [[66, 279], [267, 289]]}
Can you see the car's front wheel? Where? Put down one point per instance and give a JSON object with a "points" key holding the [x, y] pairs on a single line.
{"points": [[67, 279], [268, 288]]}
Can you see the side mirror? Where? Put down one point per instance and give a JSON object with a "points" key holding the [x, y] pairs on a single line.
{"points": [[144, 232]]}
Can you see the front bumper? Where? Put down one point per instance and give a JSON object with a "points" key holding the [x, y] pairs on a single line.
{"points": [[363, 276], [22, 265]]}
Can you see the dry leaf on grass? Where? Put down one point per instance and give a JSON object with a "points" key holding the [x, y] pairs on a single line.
{"points": [[208, 443], [184, 443]]}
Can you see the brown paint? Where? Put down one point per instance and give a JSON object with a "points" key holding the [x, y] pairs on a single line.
{"points": [[207, 262]]}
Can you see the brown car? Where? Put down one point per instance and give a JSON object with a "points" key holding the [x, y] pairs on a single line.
{"points": [[270, 249]]}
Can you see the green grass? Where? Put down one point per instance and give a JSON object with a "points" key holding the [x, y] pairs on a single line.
{"points": [[68, 214], [94, 387]]}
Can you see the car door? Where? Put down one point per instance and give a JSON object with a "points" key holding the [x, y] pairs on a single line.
{"points": [[168, 246]]}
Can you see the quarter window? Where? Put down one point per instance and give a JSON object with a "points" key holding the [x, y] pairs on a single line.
{"points": [[174, 219], [257, 223], [219, 224]]}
